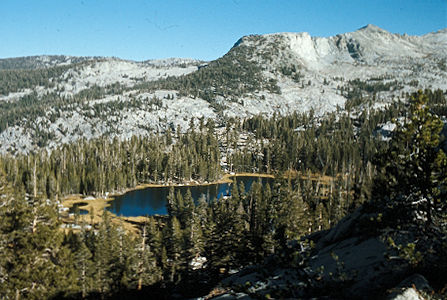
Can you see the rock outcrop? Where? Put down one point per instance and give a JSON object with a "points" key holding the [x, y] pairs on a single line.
{"points": [[359, 258]]}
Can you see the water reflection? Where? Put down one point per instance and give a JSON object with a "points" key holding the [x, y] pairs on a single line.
{"points": [[152, 200]]}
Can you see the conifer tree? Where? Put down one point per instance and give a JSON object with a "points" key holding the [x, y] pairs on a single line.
{"points": [[33, 261], [175, 250], [412, 178], [144, 267], [82, 260], [194, 240], [171, 205], [188, 209], [106, 256], [155, 245]]}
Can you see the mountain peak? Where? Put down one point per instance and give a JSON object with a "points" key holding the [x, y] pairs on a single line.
{"points": [[372, 28]]}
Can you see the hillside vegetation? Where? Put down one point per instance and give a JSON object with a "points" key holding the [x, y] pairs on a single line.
{"points": [[200, 243], [47, 101], [351, 130]]}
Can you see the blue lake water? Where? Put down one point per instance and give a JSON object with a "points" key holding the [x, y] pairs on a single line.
{"points": [[152, 200]]}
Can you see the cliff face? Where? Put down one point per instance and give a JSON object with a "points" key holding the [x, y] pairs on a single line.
{"points": [[278, 73], [369, 46]]}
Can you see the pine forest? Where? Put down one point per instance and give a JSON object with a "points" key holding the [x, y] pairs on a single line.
{"points": [[323, 169]]}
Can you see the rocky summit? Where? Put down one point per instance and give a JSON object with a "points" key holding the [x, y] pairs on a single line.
{"points": [[292, 167], [46, 101]]}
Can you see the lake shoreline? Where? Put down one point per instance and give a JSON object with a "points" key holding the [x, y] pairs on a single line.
{"points": [[97, 205], [225, 179]]}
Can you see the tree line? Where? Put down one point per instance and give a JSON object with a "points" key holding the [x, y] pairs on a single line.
{"points": [[197, 243], [201, 241], [106, 165]]}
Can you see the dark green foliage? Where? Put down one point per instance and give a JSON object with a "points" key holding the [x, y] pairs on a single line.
{"points": [[33, 264], [303, 143], [292, 72], [102, 165], [26, 109], [15, 80], [168, 252], [38, 62], [231, 76], [413, 170], [373, 86]]}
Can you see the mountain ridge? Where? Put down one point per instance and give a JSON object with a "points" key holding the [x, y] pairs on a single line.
{"points": [[310, 48], [278, 73], [48, 61], [371, 28]]}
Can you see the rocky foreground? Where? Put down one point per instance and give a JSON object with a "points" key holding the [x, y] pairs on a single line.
{"points": [[360, 258]]}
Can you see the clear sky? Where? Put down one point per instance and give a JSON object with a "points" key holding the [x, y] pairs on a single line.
{"points": [[206, 29]]}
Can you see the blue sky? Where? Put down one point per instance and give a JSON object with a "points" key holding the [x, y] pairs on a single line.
{"points": [[206, 29]]}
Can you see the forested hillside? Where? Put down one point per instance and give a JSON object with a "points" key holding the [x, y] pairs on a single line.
{"points": [[348, 132], [383, 168], [49, 101]]}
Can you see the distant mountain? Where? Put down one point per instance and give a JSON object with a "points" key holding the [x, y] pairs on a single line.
{"points": [[368, 46], [174, 62], [288, 72], [48, 61], [38, 62], [49, 100]]}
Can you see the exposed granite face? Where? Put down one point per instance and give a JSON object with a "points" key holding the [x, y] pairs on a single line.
{"points": [[346, 263], [295, 72], [413, 287]]}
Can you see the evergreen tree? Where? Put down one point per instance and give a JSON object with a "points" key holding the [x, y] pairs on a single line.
{"points": [[109, 256], [171, 205], [187, 212], [412, 172], [34, 262], [155, 246], [145, 268], [175, 250], [225, 246], [82, 260]]}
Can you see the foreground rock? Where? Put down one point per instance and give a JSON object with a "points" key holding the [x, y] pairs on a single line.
{"points": [[360, 258]]}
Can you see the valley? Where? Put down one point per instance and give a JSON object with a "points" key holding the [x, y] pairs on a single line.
{"points": [[291, 167]]}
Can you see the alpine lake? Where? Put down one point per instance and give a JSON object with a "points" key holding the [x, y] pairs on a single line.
{"points": [[152, 200]]}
